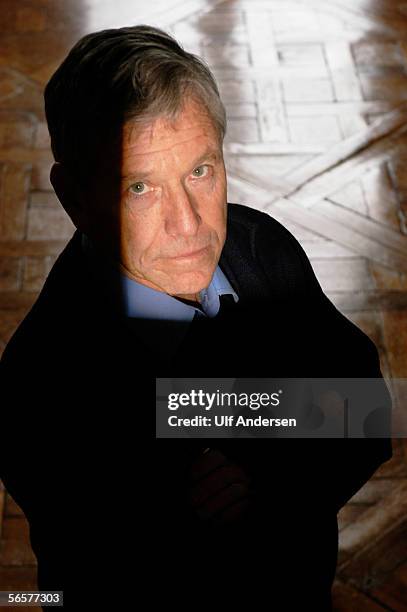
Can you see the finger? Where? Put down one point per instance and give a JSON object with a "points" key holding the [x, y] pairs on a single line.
{"points": [[233, 512], [223, 499], [206, 463], [215, 481]]}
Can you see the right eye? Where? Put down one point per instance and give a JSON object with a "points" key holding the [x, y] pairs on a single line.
{"points": [[138, 188]]}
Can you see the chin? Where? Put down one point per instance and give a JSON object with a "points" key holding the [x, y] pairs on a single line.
{"points": [[190, 285]]}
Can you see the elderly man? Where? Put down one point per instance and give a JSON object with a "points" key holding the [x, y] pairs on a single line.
{"points": [[164, 277]]}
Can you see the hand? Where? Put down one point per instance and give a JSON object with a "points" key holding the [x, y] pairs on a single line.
{"points": [[219, 489]]}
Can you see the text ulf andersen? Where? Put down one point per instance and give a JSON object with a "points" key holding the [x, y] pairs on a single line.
{"points": [[229, 421]]}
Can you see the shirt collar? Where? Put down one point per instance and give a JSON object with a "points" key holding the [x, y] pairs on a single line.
{"points": [[147, 303]]}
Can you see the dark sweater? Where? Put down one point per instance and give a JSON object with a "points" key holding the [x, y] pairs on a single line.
{"points": [[102, 495]]}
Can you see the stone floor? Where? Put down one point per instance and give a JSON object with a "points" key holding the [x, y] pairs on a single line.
{"points": [[316, 94]]}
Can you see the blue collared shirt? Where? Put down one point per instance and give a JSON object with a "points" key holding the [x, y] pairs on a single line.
{"points": [[147, 303], [141, 302]]}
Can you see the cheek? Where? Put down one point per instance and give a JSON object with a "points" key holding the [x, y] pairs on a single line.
{"points": [[218, 185], [214, 195], [218, 208], [138, 236]]}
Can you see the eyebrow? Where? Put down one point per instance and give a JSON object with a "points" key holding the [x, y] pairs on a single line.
{"points": [[209, 154]]}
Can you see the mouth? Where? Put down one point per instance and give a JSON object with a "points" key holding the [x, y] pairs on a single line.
{"points": [[190, 255]]}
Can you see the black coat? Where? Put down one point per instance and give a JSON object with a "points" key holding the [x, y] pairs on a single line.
{"points": [[106, 501]]}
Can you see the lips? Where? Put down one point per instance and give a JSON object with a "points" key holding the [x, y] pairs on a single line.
{"points": [[190, 254]]}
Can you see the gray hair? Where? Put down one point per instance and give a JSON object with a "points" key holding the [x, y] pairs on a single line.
{"points": [[109, 77]]}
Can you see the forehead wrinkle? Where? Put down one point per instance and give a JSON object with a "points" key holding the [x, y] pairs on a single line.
{"points": [[170, 130], [208, 153], [161, 150], [149, 125]]}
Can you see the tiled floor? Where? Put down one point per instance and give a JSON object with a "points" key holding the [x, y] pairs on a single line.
{"points": [[316, 94]]}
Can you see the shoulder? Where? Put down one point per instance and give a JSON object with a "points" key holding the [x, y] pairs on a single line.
{"points": [[266, 232], [252, 219], [289, 271], [272, 248]]}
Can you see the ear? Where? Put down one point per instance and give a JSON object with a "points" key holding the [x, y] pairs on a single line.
{"points": [[69, 194]]}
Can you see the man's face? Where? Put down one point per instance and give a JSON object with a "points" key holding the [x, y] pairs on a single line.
{"points": [[172, 202]]}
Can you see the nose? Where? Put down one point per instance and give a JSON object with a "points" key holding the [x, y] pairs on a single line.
{"points": [[181, 213]]}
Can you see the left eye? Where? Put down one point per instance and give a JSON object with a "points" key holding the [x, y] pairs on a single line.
{"points": [[200, 171]]}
